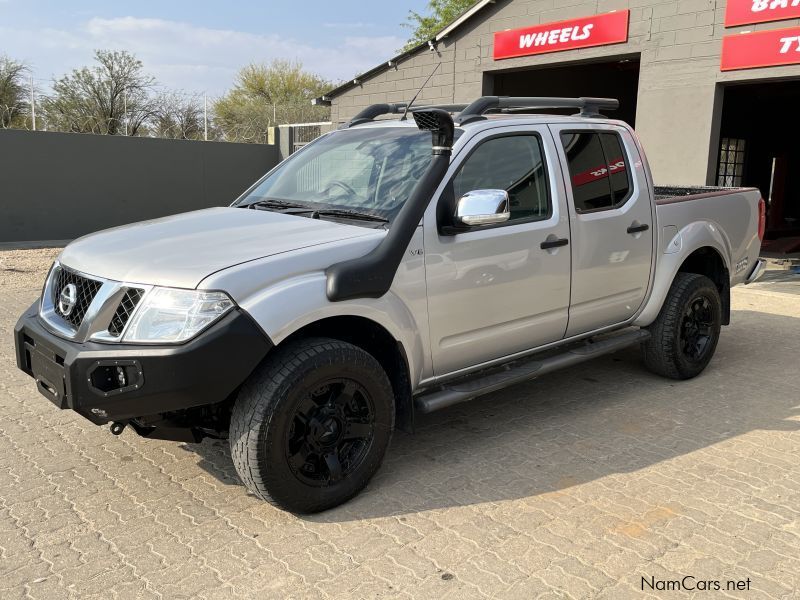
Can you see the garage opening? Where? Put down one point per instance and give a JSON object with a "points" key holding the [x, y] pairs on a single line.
{"points": [[618, 78], [758, 147]]}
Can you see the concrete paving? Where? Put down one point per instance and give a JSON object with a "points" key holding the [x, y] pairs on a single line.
{"points": [[600, 482]]}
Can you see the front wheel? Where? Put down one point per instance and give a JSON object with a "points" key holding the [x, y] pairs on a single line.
{"points": [[686, 331], [311, 426]]}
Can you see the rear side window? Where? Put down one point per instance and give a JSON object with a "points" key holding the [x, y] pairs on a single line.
{"points": [[513, 163], [617, 167], [598, 170]]}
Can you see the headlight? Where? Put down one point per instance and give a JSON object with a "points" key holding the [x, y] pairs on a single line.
{"points": [[173, 315]]}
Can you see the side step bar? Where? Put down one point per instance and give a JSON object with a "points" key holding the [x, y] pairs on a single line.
{"points": [[523, 370]]}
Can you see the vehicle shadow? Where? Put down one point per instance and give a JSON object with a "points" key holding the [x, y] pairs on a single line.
{"points": [[605, 417]]}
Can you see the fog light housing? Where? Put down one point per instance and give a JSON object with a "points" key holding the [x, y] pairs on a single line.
{"points": [[109, 377]]}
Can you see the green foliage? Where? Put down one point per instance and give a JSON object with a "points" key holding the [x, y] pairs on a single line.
{"points": [[265, 95], [102, 99], [14, 98], [115, 96], [440, 14]]}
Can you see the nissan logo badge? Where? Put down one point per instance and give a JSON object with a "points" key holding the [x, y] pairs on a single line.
{"points": [[67, 299]]}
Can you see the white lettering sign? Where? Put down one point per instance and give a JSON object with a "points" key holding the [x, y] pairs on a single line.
{"points": [[786, 44], [760, 5], [557, 36]]}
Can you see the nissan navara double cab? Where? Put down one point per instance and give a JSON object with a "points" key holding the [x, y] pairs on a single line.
{"points": [[391, 267]]}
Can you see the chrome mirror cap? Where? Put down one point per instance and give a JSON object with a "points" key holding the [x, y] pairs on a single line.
{"points": [[482, 207]]}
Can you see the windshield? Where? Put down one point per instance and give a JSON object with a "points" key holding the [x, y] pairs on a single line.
{"points": [[371, 170]]}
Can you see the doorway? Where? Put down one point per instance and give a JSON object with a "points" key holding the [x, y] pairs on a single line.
{"points": [[758, 148], [616, 78]]}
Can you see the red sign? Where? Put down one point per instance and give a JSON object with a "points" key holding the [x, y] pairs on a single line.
{"points": [[761, 49], [744, 12], [599, 30]]}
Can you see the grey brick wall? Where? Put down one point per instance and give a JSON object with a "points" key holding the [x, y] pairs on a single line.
{"points": [[679, 43]]}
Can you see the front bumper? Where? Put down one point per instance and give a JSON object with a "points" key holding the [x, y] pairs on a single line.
{"points": [[117, 382]]}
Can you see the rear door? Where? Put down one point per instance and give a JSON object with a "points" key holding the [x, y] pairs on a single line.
{"points": [[612, 224]]}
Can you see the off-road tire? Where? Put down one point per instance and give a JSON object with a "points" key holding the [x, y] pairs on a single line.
{"points": [[268, 412], [664, 353]]}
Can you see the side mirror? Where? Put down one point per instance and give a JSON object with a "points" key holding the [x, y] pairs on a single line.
{"points": [[482, 207]]}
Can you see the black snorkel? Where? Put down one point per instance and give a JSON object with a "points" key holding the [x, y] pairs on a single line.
{"points": [[371, 275]]}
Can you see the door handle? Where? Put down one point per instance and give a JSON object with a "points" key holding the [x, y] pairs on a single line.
{"points": [[638, 228], [547, 244]]}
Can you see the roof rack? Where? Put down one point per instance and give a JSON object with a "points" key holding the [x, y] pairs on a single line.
{"points": [[376, 110], [590, 107]]}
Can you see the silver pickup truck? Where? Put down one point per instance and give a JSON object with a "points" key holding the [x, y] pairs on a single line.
{"points": [[392, 267]]}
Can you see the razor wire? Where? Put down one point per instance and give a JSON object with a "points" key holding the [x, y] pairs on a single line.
{"points": [[201, 123]]}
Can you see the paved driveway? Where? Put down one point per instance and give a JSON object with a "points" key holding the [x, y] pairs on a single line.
{"points": [[582, 484]]}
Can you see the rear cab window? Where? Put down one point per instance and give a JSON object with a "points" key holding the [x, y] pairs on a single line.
{"points": [[599, 170]]}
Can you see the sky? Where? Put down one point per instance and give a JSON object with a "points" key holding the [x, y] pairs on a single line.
{"points": [[197, 47]]}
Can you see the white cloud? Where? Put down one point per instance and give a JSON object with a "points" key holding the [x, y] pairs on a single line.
{"points": [[184, 56]]}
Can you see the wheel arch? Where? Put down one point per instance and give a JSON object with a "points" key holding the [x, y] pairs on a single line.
{"points": [[698, 248], [374, 338], [709, 262]]}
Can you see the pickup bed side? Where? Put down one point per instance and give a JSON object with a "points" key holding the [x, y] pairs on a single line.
{"points": [[711, 231]]}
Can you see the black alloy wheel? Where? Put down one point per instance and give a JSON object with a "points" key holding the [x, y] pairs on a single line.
{"points": [[331, 432], [311, 425], [684, 335], [696, 328]]}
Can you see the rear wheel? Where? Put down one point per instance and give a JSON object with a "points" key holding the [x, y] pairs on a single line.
{"points": [[311, 426], [686, 331]]}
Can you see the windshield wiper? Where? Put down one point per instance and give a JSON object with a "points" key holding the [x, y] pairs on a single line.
{"points": [[272, 203], [348, 214]]}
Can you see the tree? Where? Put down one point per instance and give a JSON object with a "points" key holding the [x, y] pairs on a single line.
{"points": [[266, 95], [14, 99], [178, 116], [440, 14], [103, 99]]}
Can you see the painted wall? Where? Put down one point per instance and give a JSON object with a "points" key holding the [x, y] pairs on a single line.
{"points": [[60, 186]]}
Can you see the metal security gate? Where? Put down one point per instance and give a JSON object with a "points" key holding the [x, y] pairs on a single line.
{"points": [[304, 133]]}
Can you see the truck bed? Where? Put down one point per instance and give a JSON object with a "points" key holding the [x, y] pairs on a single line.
{"points": [[665, 194]]}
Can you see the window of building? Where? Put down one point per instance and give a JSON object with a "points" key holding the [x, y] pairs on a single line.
{"points": [[512, 163], [598, 170], [731, 162]]}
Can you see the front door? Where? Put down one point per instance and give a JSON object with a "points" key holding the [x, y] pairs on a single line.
{"points": [[612, 225], [494, 291]]}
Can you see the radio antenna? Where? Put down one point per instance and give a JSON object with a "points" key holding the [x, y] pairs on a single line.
{"points": [[419, 91]]}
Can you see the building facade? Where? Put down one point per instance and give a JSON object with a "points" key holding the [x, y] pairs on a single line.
{"points": [[711, 87]]}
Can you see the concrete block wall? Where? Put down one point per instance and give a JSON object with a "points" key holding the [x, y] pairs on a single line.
{"points": [[679, 43]]}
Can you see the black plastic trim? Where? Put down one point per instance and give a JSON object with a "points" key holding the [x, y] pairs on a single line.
{"points": [[202, 371], [547, 245]]}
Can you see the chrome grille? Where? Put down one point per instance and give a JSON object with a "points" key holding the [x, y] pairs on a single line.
{"points": [[124, 311], [86, 291]]}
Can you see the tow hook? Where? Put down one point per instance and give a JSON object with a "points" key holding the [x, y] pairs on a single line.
{"points": [[117, 428]]}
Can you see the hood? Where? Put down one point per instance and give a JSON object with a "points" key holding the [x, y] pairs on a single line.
{"points": [[180, 251]]}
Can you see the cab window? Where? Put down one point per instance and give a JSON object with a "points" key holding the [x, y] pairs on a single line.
{"points": [[513, 163], [598, 170]]}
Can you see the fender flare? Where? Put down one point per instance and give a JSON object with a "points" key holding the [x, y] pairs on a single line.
{"points": [[693, 237], [287, 308]]}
